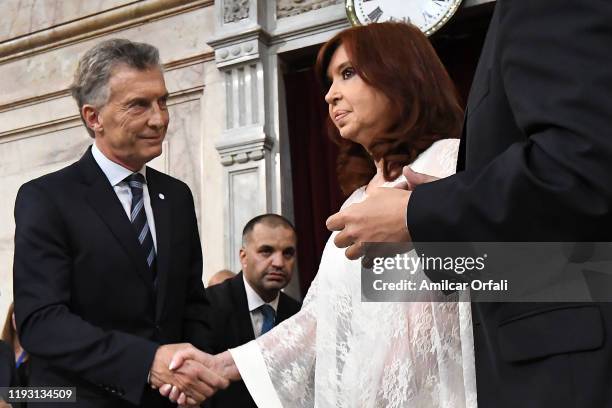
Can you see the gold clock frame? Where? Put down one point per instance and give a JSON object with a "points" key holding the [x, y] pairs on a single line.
{"points": [[352, 15]]}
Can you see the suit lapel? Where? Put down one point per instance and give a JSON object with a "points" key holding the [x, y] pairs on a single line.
{"points": [[161, 213], [242, 321], [461, 155], [104, 201], [282, 312]]}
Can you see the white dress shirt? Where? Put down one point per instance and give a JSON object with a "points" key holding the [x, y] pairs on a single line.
{"points": [[255, 301], [116, 173]]}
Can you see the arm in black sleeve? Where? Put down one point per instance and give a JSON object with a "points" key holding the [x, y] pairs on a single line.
{"points": [[196, 319], [554, 62]]}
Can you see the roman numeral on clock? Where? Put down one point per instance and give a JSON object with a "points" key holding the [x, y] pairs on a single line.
{"points": [[375, 15]]}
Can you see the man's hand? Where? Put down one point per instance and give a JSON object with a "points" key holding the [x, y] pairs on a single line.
{"points": [[381, 217], [159, 373], [193, 380], [221, 364]]}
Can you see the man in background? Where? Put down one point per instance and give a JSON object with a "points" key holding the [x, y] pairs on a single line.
{"points": [[220, 277], [251, 303]]}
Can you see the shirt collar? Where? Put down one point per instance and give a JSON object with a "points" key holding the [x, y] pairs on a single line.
{"points": [[115, 173], [254, 300]]}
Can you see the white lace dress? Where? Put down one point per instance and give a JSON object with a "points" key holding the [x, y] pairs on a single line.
{"points": [[341, 352]]}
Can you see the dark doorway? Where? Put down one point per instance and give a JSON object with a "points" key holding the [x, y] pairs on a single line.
{"points": [[316, 194]]}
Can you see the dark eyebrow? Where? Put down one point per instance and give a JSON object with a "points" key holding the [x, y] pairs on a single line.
{"points": [[344, 65], [340, 68], [137, 99]]}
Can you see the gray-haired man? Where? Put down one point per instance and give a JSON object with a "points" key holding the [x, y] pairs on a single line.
{"points": [[107, 256]]}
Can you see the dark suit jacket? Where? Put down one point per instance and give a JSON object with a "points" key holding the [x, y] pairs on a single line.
{"points": [[231, 327], [535, 165], [8, 375], [86, 308]]}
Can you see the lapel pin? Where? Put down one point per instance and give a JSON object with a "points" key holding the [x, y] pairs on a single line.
{"points": [[161, 196]]}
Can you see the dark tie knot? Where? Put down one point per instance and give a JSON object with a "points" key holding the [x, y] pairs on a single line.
{"points": [[268, 312], [135, 180]]}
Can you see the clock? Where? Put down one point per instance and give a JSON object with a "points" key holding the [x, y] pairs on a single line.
{"points": [[428, 15]]}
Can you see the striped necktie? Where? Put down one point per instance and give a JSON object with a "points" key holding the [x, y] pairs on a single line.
{"points": [[269, 316], [138, 217]]}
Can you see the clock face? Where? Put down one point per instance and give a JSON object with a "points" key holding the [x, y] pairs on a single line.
{"points": [[428, 15]]}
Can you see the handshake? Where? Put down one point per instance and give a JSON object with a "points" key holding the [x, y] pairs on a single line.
{"points": [[188, 376]]}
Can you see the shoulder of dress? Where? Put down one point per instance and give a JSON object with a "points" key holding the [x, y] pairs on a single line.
{"points": [[439, 160], [355, 196], [451, 145]]}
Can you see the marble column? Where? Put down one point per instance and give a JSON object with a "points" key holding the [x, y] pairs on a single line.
{"points": [[248, 143]]}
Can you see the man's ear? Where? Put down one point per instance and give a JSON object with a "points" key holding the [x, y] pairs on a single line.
{"points": [[92, 118], [242, 256]]}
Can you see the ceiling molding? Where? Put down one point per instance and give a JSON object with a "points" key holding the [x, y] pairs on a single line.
{"points": [[94, 26]]}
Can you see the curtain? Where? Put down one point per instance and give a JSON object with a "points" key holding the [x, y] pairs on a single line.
{"points": [[316, 193]]}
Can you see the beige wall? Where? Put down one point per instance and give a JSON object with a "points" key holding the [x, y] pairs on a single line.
{"points": [[40, 43], [23, 17]]}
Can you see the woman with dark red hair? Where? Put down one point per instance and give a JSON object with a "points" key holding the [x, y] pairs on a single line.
{"points": [[391, 104]]}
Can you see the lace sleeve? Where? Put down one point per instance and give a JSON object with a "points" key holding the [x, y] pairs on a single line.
{"points": [[289, 352]]}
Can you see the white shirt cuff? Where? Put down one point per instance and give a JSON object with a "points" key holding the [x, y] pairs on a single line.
{"points": [[254, 373]]}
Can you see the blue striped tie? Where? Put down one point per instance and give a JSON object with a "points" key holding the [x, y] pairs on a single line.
{"points": [[138, 217], [269, 316]]}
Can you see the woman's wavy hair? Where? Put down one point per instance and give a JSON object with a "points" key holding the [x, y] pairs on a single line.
{"points": [[398, 60]]}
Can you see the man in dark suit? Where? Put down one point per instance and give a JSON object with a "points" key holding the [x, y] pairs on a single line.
{"points": [[251, 303], [534, 165], [108, 263]]}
